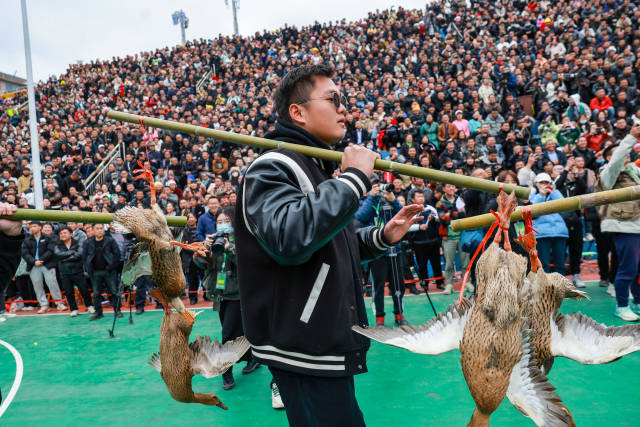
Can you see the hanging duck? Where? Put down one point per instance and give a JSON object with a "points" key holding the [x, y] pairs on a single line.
{"points": [[178, 360], [493, 341], [151, 229]]}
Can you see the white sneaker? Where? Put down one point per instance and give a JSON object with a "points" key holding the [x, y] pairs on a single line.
{"points": [[8, 315], [2, 319], [74, 313], [611, 290], [448, 289], [578, 281], [61, 307], [91, 310], [276, 400], [27, 308], [470, 288], [43, 309], [625, 313]]}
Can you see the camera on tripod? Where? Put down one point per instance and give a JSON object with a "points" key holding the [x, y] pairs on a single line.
{"points": [[218, 242]]}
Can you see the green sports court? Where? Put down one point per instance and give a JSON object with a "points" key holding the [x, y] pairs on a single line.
{"points": [[75, 375]]}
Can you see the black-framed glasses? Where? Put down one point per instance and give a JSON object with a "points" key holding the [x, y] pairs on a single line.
{"points": [[336, 98]]}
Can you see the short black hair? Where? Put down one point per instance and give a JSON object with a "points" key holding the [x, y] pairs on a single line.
{"points": [[64, 227], [295, 87]]}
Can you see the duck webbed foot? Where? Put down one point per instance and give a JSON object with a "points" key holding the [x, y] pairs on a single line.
{"points": [[506, 206], [197, 247], [145, 173]]}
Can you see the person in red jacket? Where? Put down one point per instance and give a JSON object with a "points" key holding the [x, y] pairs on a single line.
{"points": [[602, 103]]}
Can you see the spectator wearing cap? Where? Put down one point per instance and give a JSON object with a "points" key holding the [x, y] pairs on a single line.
{"points": [[623, 220], [553, 233], [37, 251], [462, 124]]}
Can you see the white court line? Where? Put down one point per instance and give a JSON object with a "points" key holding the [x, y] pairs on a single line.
{"points": [[16, 381]]}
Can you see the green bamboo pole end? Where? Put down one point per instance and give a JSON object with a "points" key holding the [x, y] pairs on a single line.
{"points": [[335, 156], [555, 206], [77, 216]]}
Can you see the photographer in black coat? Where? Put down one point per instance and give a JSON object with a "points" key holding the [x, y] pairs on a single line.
{"points": [[101, 257], [69, 254]]}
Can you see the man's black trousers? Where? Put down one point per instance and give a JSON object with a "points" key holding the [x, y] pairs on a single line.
{"points": [[67, 281], [382, 271], [318, 401]]}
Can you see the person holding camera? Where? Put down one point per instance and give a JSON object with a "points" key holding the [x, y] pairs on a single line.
{"points": [[552, 230], [221, 282], [451, 207], [377, 209], [426, 242]]}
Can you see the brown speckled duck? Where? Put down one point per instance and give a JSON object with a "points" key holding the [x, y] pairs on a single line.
{"points": [[575, 336], [496, 357], [178, 360], [151, 229]]}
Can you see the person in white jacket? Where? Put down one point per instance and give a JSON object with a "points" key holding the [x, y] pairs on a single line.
{"points": [[623, 220]]}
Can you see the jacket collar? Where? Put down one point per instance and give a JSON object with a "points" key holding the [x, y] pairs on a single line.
{"points": [[286, 131]]}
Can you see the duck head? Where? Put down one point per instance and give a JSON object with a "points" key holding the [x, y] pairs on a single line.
{"points": [[209, 399], [564, 288]]}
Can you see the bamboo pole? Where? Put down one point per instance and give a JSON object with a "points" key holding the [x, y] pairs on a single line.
{"points": [[77, 216], [335, 156], [555, 206]]}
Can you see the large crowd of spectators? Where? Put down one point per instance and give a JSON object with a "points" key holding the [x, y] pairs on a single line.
{"points": [[530, 93]]}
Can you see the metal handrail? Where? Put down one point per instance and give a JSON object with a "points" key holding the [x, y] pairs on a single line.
{"points": [[97, 177]]}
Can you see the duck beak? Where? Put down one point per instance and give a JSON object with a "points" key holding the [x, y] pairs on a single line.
{"points": [[196, 313], [576, 294]]}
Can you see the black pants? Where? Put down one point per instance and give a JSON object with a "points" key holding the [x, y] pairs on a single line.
{"points": [[231, 320], [193, 279], [67, 281], [318, 401], [143, 284], [382, 271], [575, 245], [429, 252], [107, 278], [26, 290], [605, 246]]}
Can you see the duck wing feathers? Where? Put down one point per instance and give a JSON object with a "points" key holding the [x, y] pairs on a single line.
{"points": [[584, 340], [532, 393], [210, 358], [439, 335], [154, 361]]}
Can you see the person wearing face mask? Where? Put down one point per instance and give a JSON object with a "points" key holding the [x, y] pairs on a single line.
{"points": [[221, 284]]}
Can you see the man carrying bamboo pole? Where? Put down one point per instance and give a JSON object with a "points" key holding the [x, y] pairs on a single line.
{"points": [[299, 254], [623, 221]]}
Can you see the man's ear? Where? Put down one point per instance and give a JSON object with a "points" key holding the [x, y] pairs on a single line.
{"points": [[298, 114]]}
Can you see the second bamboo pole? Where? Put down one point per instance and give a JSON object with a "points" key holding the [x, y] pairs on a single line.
{"points": [[555, 206]]}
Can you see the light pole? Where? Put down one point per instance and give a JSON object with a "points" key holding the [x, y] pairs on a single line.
{"points": [[179, 18], [235, 5], [33, 120]]}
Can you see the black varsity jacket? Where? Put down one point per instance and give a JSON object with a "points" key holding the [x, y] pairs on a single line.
{"points": [[298, 258]]}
